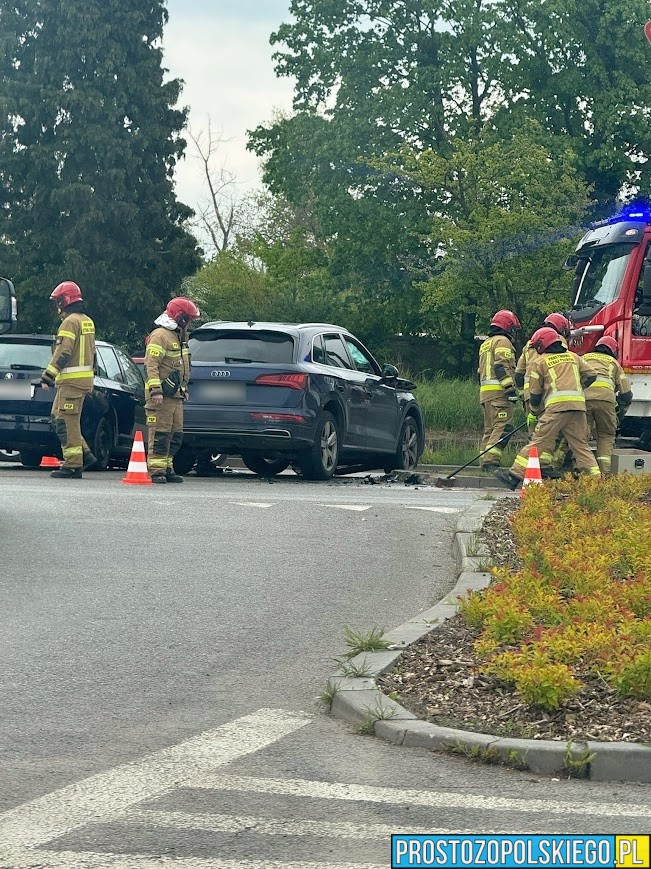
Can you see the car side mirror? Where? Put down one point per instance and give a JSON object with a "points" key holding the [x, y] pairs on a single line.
{"points": [[570, 263], [390, 372], [7, 306]]}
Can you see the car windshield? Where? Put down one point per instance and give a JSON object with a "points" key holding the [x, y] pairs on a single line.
{"points": [[599, 274], [229, 346], [33, 357]]}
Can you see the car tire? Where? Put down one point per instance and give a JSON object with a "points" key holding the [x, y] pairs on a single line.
{"points": [[321, 460], [208, 464], [265, 467], [31, 458], [406, 455], [103, 443], [184, 461]]}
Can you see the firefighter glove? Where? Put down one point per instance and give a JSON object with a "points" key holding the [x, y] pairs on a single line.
{"points": [[47, 379], [532, 419]]}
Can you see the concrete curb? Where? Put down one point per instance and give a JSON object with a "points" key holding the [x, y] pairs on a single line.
{"points": [[359, 701], [470, 478]]}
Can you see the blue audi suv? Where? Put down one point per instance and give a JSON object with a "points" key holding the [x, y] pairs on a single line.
{"points": [[308, 395]]}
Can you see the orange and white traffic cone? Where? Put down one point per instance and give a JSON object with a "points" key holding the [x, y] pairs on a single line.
{"points": [[532, 473], [50, 462], [137, 474]]}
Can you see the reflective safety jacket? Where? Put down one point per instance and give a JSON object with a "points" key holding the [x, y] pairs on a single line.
{"points": [[610, 381], [73, 358], [496, 368], [523, 368], [557, 381], [166, 353]]}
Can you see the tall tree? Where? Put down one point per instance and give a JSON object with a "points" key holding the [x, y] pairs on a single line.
{"points": [[89, 138]]}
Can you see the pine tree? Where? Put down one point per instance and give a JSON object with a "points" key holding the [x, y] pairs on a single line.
{"points": [[89, 138]]}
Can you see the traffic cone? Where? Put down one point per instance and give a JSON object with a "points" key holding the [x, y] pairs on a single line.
{"points": [[50, 462], [137, 474], [532, 473]]}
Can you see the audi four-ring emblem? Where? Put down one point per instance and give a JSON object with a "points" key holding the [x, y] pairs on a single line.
{"points": [[220, 373]]}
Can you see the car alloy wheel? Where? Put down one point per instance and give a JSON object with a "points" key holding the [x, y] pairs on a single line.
{"points": [[329, 446], [409, 446], [321, 460]]}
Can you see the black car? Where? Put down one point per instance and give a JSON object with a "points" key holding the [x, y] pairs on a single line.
{"points": [[111, 413], [308, 395]]}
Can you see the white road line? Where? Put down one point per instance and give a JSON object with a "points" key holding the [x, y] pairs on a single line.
{"points": [[396, 796], [347, 507], [103, 797], [251, 504], [95, 860], [219, 823], [435, 509]]}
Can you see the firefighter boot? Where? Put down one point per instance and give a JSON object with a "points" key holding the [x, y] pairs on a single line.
{"points": [[171, 477], [507, 478], [159, 477], [67, 473]]}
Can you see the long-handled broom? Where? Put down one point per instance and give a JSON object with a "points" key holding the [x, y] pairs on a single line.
{"points": [[446, 482]]}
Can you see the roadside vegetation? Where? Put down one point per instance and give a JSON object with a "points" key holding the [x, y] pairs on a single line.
{"points": [[579, 609], [453, 420], [559, 644]]}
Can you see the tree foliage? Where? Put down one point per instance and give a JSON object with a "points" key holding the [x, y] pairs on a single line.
{"points": [[510, 211], [88, 143], [537, 113]]}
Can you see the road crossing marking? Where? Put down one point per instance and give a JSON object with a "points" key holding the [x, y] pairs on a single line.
{"points": [[252, 504], [358, 507], [104, 797], [435, 509], [397, 796]]}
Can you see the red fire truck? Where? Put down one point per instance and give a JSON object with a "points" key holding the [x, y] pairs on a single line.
{"points": [[612, 296]]}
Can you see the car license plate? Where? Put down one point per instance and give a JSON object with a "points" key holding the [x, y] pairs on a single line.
{"points": [[16, 389], [222, 393]]}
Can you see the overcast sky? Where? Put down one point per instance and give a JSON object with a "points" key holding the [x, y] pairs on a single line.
{"points": [[220, 48]]}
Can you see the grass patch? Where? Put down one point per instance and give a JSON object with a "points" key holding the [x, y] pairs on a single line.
{"points": [[357, 641], [451, 404], [379, 712]]}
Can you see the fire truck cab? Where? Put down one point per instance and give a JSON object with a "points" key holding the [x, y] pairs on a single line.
{"points": [[612, 296]]}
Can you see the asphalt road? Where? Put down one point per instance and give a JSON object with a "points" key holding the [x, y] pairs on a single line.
{"points": [[163, 648]]}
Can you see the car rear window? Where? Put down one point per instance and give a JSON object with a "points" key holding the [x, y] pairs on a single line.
{"points": [[14, 354], [213, 345]]}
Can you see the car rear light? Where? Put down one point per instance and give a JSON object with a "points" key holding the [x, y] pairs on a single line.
{"points": [[278, 417], [292, 381]]}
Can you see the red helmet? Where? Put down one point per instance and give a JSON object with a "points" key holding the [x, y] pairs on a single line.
{"points": [[506, 320], [542, 339], [182, 311], [561, 323], [610, 343], [65, 294]]}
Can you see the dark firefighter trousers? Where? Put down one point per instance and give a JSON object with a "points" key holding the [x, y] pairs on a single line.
{"points": [[165, 433], [66, 420]]}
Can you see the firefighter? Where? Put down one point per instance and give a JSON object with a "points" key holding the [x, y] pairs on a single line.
{"points": [[607, 400], [497, 392], [556, 398], [563, 325], [167, 366], [71, 370]]}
